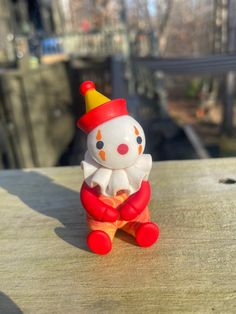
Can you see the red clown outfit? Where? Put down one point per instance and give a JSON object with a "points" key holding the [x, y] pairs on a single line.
{"points": [[115, 192]]}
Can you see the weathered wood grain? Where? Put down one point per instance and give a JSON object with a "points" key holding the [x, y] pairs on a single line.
{"points": [[37, 113], [45, 266]]}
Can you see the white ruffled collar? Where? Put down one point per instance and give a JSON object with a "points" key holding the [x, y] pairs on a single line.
{"points": [[112, 181]]}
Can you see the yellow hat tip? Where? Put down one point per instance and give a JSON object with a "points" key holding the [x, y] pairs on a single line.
{"points": [[93, 98]]}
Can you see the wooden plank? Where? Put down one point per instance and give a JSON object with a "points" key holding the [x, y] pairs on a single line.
{"points": [[58, 125], [211, 64], [16, 107], [45, 266], [39, 109], [54, 58]]}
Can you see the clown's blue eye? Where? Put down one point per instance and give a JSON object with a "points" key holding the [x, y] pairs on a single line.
{"points": [[139, 139], [99, 144]]}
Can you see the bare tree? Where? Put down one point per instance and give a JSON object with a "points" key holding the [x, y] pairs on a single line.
{"points": [[164, 9]]}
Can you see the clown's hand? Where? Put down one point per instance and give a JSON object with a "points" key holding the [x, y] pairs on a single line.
{"points": [[136, 203], [110, 214], [128, 212], [95, 207]]}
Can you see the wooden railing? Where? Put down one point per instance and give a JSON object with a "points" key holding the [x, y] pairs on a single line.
{"points": [[46, 266]]}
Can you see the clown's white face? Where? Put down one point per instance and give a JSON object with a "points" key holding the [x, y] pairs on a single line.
{"points": [[117, 143]]}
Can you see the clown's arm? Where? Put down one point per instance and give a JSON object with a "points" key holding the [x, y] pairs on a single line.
{"points": [[95, 207], [136, 203]]}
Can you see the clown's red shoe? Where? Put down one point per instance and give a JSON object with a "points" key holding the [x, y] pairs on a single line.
{"points": [[147, 234], [99, 242]]}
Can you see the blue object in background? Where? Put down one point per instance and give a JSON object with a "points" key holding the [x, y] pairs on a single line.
{"points": [[51, 45]]}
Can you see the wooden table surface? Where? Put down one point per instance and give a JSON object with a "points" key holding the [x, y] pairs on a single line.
{"points": [[45, 266]]}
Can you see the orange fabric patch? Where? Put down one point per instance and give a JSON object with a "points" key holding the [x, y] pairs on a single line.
{"points": [[111, 227], [114, 201]]}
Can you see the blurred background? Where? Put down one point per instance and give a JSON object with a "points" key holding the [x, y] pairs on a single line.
{"points": [[173, 60]]}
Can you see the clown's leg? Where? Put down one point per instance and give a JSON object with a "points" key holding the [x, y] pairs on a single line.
{"points": [[145, 233], [100, 238], [143, 230]]}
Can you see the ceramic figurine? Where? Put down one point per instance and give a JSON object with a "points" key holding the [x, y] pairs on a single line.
{"points": [[115, 192]]}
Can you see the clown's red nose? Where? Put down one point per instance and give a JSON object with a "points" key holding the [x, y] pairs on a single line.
{"points": [[123, 149]]}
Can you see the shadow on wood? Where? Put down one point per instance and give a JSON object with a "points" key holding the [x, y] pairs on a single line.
{"points": [[46, 197], [7, 306]]}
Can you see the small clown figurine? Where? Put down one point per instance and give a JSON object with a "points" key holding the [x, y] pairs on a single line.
{"points": [[115, 192]]}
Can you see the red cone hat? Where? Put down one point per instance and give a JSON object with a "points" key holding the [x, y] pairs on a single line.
{"points": [[99, 108]]}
